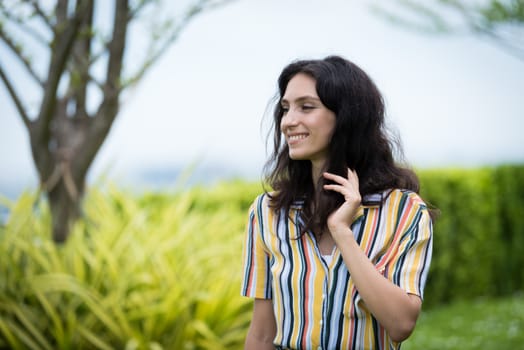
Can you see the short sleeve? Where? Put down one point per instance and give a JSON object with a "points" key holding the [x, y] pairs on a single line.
{"points": [[256, 278], [410, 266]]}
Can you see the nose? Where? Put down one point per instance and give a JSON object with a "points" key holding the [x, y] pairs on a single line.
{"points": [[289, 119]]}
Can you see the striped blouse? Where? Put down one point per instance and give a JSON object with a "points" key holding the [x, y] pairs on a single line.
{"points": [[316, 304]]}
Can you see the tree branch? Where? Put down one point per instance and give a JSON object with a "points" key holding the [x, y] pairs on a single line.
{"points": [[23, 25], [61, 12], [116, 47], [108, 109], [436, 23], [506, 45], [489, 29], [170, 38], [153, 57], [66, 33], [16, 49], [38, 11], [477, 20], [18, 103], [133, 13], [79, 77]]}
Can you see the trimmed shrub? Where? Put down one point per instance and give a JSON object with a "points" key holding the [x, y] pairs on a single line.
{"points": [[479, 236], [509, 182]]}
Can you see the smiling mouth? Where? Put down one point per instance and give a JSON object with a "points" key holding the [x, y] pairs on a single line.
{"points": [[297, 137]]}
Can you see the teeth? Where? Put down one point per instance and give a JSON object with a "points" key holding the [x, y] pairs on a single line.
{"points": [[297, 137]]}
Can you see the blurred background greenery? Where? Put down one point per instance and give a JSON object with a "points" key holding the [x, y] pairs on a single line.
{"points": [[162, 270], [109, 264]]}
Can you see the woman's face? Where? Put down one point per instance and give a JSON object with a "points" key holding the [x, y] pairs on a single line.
{"points": [[306, 124]]}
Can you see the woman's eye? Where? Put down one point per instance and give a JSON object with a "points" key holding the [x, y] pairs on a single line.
{"points": [[307, 107], [285, 109]]}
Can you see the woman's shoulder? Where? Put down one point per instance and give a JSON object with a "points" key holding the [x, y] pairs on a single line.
{"points": [[407, 198], [262, 200]]}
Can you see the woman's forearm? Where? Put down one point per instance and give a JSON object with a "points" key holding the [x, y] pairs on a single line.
{"points": [[253, 342], [262, 330], [396, 310]]}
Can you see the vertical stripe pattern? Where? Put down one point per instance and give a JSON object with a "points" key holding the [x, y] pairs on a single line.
{"points": [[316, 305]]}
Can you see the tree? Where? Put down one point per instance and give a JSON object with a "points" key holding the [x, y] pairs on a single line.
{"points": [[82, 83], [500, 21]]}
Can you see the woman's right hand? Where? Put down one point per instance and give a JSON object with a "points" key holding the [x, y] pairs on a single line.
{"points": [[342, 218]]}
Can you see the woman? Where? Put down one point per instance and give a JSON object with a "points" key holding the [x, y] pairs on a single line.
{"points": [[337, 255]]}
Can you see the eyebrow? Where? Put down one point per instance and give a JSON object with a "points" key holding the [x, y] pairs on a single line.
{"points": [[301, 99]]}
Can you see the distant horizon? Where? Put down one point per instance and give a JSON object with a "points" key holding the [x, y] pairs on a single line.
{"points": [[159, 178], [152, 177]]}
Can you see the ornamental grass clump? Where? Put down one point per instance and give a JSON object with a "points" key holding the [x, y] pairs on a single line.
{"points": [[148, 272]]}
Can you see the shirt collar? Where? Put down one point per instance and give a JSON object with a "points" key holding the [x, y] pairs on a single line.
{"points": [[373, 197]]}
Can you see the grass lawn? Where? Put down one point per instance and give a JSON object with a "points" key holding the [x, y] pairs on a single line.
{"points": [[481, 324]]}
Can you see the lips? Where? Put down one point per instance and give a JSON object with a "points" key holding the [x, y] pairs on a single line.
{"points": [[294, 138]]}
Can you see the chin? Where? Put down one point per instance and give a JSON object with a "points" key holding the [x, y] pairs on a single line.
{"points": [[297, 157]]}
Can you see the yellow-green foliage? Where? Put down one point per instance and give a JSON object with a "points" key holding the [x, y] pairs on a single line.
{"points": [[154, 272], [162, 270]]}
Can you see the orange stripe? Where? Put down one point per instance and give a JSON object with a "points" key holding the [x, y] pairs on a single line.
{"points": [[396, 239]]}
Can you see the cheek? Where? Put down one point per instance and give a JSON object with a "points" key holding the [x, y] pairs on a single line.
{"points": [[281, 124], [332, 124]]}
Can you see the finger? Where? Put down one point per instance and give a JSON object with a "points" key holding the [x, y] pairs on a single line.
{"points": [[333, 187], [336, 178], [339, 189], [352, 173], [344, 191], [353, 177]]}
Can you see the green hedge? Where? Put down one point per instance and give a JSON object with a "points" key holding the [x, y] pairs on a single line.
{"points": [[479, 235]]}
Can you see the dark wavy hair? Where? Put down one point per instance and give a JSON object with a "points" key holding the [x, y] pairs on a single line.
{"points": [[360, 142]]}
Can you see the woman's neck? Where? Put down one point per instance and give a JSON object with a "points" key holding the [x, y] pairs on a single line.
{"points": [[317, 168]]}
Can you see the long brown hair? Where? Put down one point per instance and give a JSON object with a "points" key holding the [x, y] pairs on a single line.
{"points": [[360, 142]]}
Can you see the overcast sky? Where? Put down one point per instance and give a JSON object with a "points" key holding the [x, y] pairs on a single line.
{"points": [[455, 100]]}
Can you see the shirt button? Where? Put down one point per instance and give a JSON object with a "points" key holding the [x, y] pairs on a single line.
{"points": [[321, 321]]}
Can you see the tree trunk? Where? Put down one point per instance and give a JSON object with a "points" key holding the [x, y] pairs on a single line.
{"points": [[65, 138], [61, 170], [65, 210]]}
